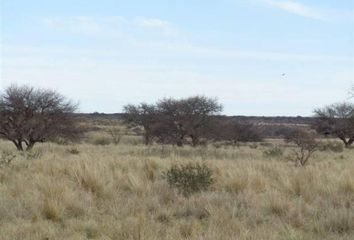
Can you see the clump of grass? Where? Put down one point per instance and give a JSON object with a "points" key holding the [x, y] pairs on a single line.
{"points": [[340, 221], [73, 151], [253, 146], [6, 158], [51, 210], [33, 154], [277, 205], [274, 152], [331, 146], [237, 184], [190, 178]]}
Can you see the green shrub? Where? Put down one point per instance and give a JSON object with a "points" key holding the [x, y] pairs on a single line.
{"points": [[273, 152], [190, 178]]}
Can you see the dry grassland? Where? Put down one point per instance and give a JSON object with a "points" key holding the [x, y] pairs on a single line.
{"points": [[88, 191]]}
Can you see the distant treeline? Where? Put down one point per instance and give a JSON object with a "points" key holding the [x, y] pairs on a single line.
{"points": [[269, 127], [30, 115], [298, 120]]}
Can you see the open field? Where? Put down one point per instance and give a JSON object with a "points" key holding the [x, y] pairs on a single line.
{"points": [[88, 191]]}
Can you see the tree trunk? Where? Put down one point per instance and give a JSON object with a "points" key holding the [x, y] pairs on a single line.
{"points": [[195, 140], [180, 141], [346, 142], [146, 139], [350, 142], [18, 144]]}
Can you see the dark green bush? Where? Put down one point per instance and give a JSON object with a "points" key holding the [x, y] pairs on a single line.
{"points": [[190, 178]]}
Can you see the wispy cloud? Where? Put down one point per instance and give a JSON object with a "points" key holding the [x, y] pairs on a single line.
{"points": [[151, 22], [296, 8], [112, 26], [155, 23]]}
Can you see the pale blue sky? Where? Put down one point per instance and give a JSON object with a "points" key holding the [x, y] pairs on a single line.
{"points": [[108, 53]]}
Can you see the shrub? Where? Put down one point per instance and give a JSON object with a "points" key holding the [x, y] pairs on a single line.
{"points": [[306, 145], [116, 134], [266, 144], [102, 141], [331, 146], [190, 178], [253, 146], [273, 152], [235, 132]]}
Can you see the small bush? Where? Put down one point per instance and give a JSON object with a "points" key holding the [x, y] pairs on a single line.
{"points": [[190, 178], [266, 144], [116, 135], [253, 146], [306, 145], [273, 152], [102, 141]]}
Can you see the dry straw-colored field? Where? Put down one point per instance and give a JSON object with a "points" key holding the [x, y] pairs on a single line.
{"points": [[88, 191]]}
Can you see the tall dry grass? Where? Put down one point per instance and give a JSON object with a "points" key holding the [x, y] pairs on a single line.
{"points": [[117, 192]]}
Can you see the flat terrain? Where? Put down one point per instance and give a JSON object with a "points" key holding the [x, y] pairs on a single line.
{"points": [[90, 191]]}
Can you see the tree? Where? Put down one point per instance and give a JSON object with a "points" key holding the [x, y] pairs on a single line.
{"points": [[30, 115], [337, 120], [144, 115], [306, 144], [189, 117], [196, 116], [173, 121]]}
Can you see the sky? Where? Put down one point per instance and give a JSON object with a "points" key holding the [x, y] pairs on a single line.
{"points": [[257, 57]]}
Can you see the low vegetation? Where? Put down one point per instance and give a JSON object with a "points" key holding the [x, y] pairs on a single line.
{"points": [[120, 192], [190, 178], [170, 170]]}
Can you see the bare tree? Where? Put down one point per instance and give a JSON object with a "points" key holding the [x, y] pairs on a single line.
{"points": [[336, 120], [306, 144], [30, 115]]}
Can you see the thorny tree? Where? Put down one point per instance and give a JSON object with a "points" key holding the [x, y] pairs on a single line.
{"points": [[336, 120], [306, 145], [30, 115], [142, 115]]}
